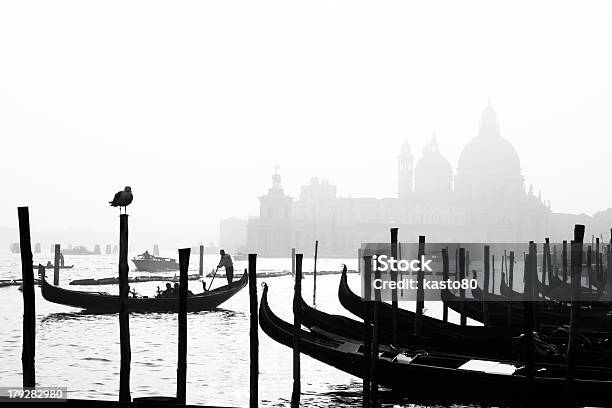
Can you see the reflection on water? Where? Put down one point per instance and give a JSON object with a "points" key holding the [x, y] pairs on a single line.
{"points": [[80, 350], [222, 314]]}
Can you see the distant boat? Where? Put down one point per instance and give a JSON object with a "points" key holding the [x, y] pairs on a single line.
{"points": [[77, 250], [240, 256], [50, 266], [101, 302], [133, 279], [151, 263]]}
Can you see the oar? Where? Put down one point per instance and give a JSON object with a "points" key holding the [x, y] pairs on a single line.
{"points": [[213, 278]]}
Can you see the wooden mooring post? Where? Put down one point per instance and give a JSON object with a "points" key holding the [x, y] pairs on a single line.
{"points": [[181, 370], [544, 266], [530, 271], [485, 306], [576, 271], [201, 269], [463, 319], [445, 277], [598, 274], [564, 261], [394, 292], [493, 274], [297, 325], [314, 281], [29, 307], [124, 323], [420, 305], [375, 348], [549, 260], [510, 271], [253, 333], [367, 335], [555, 261], [56, 264]]}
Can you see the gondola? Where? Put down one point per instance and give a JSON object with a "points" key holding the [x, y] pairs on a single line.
{"points": [[549, 346], [557, 289], [506, 293], [547, 313], [100, 302], [434, 327], [425, 375]]}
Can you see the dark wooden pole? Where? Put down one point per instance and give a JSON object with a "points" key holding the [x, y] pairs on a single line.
{"points": [[598, 275], [297, 324], [394, 297], [528, 299], [493, 273], [589, 263], [124, 323], [510, 270], [564, 261], [485, 308], [576, 269], [555, 261], [549, 261], [201, 270], [445, 277], [56, 265], [420, 305], [314, 282], [544, 265], [181, 371], [29, 309], [367, 335], [456, 264], [462, 291], [367, 275], [374, 363], [253, 333]]}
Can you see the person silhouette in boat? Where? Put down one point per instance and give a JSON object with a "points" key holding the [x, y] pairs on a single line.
{"points": [[169, 292], [226, 262], [177, 288], [146, 255]]}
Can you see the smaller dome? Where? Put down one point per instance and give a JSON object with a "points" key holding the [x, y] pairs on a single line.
{"points": [[433, 172], [405, 149]]}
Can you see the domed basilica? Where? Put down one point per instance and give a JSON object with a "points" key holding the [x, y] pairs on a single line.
{"points": [[485, 200]]}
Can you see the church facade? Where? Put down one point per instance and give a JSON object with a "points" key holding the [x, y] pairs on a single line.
{"points": [[485, 200]]}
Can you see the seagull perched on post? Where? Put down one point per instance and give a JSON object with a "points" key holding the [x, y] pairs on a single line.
{"points": [[122, 199]]}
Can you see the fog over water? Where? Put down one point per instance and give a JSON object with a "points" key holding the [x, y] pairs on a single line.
{"points": [[193, 104]]}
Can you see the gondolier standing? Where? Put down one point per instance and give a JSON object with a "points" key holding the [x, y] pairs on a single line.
{"points": [[226, 262]]}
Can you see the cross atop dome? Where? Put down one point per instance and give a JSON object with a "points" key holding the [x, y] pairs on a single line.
{"points": [[489, 126], [432, 146], [276, 178]]}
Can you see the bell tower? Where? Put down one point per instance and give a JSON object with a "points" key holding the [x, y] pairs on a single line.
{"points": [[404, 171], [276, 205]]}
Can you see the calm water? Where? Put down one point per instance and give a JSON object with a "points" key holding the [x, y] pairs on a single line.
{"points": [[81, 351]]}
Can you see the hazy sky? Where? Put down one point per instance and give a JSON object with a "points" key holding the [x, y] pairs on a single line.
{"points": [[193, 103]]}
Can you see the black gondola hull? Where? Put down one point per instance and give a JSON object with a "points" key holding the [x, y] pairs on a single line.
{"points": [[103, 303]]}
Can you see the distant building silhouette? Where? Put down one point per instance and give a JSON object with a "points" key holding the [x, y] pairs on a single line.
{"points": [[485, 201]]}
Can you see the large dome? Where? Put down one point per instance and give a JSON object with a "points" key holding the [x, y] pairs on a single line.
{"points": [[489, 154]]}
